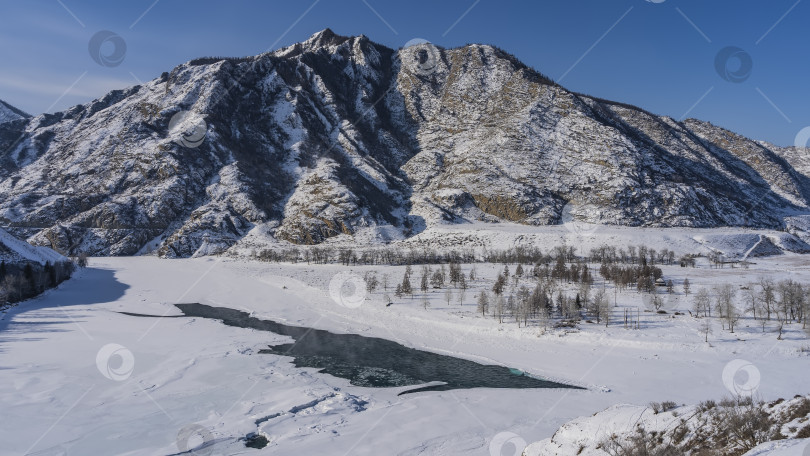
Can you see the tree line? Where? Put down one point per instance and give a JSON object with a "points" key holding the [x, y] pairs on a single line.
{"points": [[528, 255], [21, 282]]}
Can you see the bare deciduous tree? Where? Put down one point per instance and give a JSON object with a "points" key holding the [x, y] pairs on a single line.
{"points": [[600, 306], [657, 302], [767, 295], [702, 303], [725, 305], [751, 296], [499, 308], [706, 328], [483, 302]]}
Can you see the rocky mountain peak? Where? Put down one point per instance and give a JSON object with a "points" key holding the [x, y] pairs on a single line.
{"points": [[325, 38], [9, 113]]}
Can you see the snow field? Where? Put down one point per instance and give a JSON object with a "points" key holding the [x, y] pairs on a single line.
{"points": [[189, 372]]}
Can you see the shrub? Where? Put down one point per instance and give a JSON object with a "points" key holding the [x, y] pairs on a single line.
{"points": [[656, 407], [707, 405], [668, 405]]}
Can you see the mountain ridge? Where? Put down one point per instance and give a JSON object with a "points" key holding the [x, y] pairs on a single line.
{"points": [[10, 113], [338, 134]]}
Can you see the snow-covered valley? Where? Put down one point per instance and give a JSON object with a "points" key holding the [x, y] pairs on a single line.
{"points": [[170, 385], [298, 229]]}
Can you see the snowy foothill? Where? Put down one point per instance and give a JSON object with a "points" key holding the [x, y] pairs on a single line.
{"points": [[734, 243], [81, 376], [23, 251]]}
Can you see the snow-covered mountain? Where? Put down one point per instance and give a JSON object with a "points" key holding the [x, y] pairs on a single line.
{"points": [[336, 134], [9, 113]]}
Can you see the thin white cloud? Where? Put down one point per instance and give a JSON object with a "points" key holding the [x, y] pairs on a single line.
{"points": [[90, 86], [39, 92]]}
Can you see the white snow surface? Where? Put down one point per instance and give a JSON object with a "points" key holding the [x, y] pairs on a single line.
{"points": [[191, 371], [791, 447]]}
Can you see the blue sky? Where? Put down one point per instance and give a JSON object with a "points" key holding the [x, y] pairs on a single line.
{"points": [[660, 55]]}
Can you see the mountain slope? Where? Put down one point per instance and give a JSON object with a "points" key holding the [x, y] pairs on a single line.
{"points": [[9, 113], [338, 134], [13, 250]]}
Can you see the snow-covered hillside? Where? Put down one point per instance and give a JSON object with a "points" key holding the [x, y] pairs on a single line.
{"points": [[9, 113], [719, 426], [13, 250], [336, 134]]}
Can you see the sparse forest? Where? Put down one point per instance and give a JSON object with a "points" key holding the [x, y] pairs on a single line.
{"points": [[560, 288]]}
